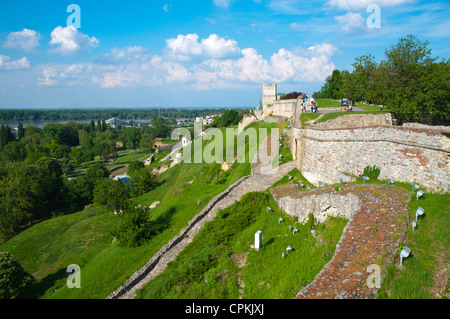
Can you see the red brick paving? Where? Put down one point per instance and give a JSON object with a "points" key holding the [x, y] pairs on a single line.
{"points": [[372, 236]]}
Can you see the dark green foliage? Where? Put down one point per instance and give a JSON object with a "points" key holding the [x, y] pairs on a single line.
{"points": [[215, 174], [20, 131], [13, 278], [229, 118], [142, 181], [372, 172], [96, 172], [134, 166], [6, 136], [409, 82], [112, 194], [136, 227]]}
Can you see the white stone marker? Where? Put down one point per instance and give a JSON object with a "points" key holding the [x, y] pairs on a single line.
{"points": [[258, 239]]}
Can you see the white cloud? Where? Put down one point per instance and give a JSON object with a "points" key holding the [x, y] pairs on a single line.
{"points": [[362, 4], [295, 26], [132, 67], [352, 22], [26, 40], [186, 47], [167, 7], [122, 56], [7, 64], [68, 40], [48, 73], [222, 3]]}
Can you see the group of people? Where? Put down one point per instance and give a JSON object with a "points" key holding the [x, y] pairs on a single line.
{"points": [[313, 103]]}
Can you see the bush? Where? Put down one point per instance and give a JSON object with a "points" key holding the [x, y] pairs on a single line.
{"points": [[13, 278], [135, 227], [372, 172]]}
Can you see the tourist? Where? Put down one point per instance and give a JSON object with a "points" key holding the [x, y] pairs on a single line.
{"points": [[312, 107]]}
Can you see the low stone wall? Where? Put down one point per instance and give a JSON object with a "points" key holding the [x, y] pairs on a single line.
{"points": [[357, 120], [274, 119]]}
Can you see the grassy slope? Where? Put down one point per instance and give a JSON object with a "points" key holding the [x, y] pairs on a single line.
{"points": [[209, 269], [83, 238]]}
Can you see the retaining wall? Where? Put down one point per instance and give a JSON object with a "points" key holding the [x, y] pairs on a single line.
{"points": [[403, 154]]}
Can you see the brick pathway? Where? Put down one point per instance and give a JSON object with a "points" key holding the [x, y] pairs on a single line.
{"points": [[372, 236]]}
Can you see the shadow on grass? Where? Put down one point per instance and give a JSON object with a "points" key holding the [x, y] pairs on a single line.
{"points": [[39, 288]]}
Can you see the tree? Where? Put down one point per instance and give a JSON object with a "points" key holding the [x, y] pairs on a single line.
{"points": [[6, 136], [409, 70], [332, 87], [20, 131], [146, 143], [229, 118], [135, 227], [97, 172], [13, 278], [142, 181], [131, 137]]}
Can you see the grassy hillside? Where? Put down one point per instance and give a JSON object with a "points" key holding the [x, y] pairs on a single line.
{"points": [[84, 238]]}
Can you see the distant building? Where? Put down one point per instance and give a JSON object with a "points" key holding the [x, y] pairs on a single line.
{"points": [[206, 119], [114, 122], [185, 142]]}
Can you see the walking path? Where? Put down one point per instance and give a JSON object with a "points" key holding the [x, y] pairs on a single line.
{"points": [[370, 240], [260, 180]]}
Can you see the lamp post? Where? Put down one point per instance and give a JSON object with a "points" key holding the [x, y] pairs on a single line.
{"points": [[404, 254], [419, 194]]}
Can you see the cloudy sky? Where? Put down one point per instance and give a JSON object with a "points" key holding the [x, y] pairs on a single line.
{"points": [[208, 53]]}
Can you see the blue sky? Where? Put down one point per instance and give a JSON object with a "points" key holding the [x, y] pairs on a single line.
{"points": [[209, 53]]}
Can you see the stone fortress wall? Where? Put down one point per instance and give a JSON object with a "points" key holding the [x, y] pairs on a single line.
{"points": [[344, 146]]}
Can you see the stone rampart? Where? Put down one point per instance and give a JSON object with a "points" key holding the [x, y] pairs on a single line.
{"points": [[405, 154]]}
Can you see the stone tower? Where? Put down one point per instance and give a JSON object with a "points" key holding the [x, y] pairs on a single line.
{"points": [[269, 94]]}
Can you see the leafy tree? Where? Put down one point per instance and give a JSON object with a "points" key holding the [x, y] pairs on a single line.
{"points": [[112, 194], [229, 118], [20, 131], [96, 172], [131, 137], [135, 166], [142, 181], [13, 278], [136, 227], [146, 143], [6, 136], [22, 197]]}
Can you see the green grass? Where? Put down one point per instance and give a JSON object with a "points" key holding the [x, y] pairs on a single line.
{"points": [[305, 117], [429, 243], [209, 266], [130, 157], [430, 246]]}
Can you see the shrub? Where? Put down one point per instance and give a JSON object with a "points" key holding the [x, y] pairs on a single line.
{"points": [[13, 278], [135, 227], [371, 172]]}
